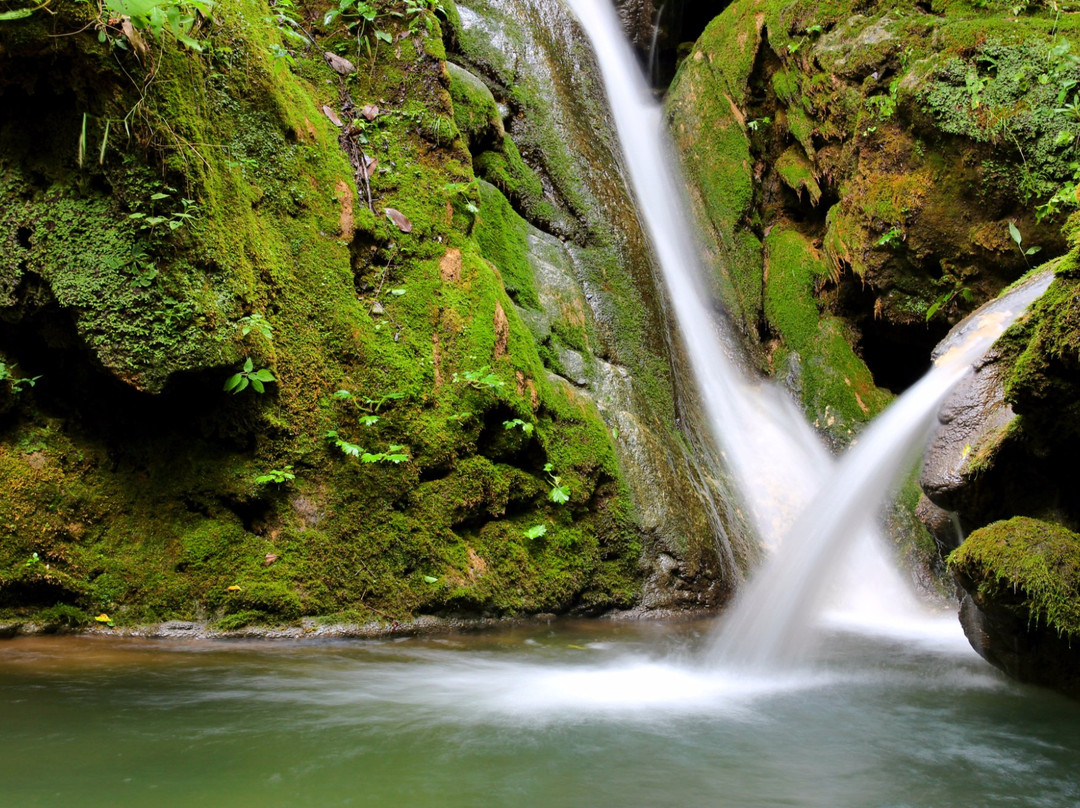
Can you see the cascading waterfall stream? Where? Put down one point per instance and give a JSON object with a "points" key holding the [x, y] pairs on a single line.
{"points": [[777, 459]]}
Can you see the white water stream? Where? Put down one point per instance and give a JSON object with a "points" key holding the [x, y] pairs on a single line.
{"points": [[812, 513]]}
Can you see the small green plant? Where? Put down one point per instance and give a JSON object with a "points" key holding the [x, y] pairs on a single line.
{"points": [[258, 379], [16, 383], [536, 531], [276, 476], [34, 562], [559, 493], [956, 288], [758, 123], [1014, 233], [257, 323], [394, 454], [149, 221], [346, 448], [482, 379], [157, 18], [891, 238], [526, 427]]}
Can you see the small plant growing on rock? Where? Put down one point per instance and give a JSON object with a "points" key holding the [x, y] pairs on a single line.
{"points": [[276, 476], [535, 532], [257, 379], [17, 384], [560, 492], [256, 323], [526, 427]]}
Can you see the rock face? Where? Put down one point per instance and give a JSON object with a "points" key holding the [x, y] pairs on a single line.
{"points": [[424, 283]]}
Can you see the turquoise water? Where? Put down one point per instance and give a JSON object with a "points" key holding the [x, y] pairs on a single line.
{"points": [[571, 714]]}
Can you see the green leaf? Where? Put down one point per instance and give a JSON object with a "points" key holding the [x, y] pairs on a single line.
{"points": [[559, 494], [264, 375], [1032, 250], [159, 196], [385, 37], [1015, 234], [233, 381], [536, 531], [17, 14], [430, 579], [342, 394], [257, 385], [397, 292]]}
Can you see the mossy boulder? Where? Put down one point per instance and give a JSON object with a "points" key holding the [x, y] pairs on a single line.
{"points": [[1022, 578]]}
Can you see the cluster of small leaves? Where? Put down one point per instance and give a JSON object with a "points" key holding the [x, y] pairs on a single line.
{"points": [[156, 18], [276, 476], [395, 453], [16, 383], [257, 379], [482, 379], [956, 289], [174, 221], [526, 427]]}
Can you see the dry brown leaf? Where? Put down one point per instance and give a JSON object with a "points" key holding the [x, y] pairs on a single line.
{"points": [[270, 559], [134, 37], [399, 219], [329, 113], [339, 64], [368, 165], [369, 111]]}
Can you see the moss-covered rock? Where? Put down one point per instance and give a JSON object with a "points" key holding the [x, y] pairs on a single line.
{"points": [[1023, 580], [239, 229]]}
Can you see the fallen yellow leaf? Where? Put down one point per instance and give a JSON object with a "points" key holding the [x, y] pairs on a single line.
{"points": [[103, 618], [235, 588]]}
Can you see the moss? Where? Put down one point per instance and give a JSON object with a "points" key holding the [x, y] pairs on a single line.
{"points": [[502, 236], [1032, 564], [798, 174], [475, 112], [836, 387]]}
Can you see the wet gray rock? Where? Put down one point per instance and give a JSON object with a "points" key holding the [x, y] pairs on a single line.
{"points": [[972, 423]]}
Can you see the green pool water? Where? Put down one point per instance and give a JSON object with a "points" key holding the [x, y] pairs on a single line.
{"points": [[567, 714]]}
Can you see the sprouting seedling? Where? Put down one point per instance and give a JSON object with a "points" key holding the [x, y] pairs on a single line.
{"points": [[249, 376], [1015, 233], [559, 493]]}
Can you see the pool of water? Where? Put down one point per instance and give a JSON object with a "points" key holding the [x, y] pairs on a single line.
{"points": [[567, 714]]}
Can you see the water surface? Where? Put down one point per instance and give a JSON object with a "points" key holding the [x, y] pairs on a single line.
{"points": [[572, 714]]}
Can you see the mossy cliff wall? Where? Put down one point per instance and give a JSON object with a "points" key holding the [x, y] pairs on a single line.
{"points": [[866, 175], [170, 219]]}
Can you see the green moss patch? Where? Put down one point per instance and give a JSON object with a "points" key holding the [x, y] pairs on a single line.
{"points": [[1027, 560]]}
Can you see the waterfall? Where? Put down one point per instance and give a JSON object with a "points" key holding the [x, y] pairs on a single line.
{"points": [[808, 510]]}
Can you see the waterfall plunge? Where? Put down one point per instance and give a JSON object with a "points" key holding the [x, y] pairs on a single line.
{"points": [[808, 510]]}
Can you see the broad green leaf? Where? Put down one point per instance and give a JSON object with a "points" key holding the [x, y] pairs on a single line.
{"points": [[536, 531], [264, 375], [233, 381], [17, 14], [257, 385], [1015, 234], [559, 494], [248, 365], [430, 579]]}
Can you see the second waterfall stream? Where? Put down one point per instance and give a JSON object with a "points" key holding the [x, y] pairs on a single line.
{"points": [[815, 516]]}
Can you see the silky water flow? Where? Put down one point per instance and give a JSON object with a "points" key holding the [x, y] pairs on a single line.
{"points": [[820, 536]]}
